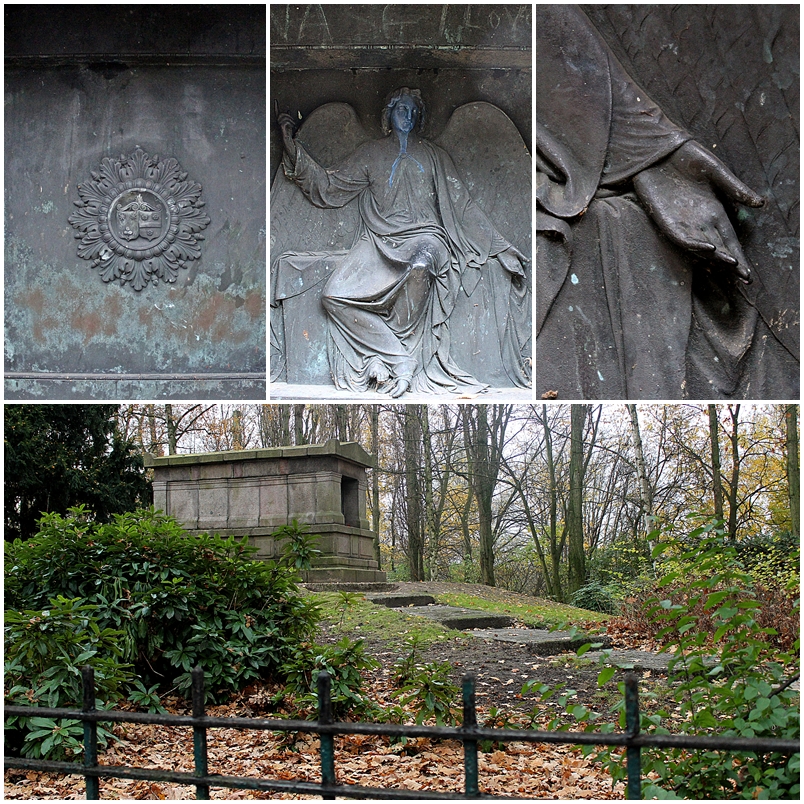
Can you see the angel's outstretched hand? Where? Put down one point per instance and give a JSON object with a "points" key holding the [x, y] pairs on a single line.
{"points": [[679, 193], [287, 127], [514, 261]]}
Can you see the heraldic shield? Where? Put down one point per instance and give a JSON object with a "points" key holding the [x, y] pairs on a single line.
{"points": [[138, 218]]}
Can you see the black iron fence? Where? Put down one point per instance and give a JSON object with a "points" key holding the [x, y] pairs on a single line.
{"points": [[470, 734]]}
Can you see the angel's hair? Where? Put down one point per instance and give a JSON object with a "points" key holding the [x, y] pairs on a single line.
{"points": [[392, 101]]}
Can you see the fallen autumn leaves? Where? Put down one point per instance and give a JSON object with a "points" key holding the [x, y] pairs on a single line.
{"points": [[521, 770]]}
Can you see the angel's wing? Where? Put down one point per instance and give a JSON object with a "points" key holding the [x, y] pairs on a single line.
{"points": [[495, 165], [329, 134]]}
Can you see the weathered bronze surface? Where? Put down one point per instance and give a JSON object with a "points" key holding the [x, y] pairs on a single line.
{"points": [[400, 261], [646, 241], [104, 98]]}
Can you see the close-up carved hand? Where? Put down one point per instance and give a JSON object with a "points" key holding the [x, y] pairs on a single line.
{"points": [[514, 261], [681, 195]]}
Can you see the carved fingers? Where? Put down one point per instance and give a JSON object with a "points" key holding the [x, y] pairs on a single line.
{"points": [[514, 261], [694, 161], [679, 194]]}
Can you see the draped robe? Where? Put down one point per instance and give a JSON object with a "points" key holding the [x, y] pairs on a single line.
{"points": [[389, 298]]}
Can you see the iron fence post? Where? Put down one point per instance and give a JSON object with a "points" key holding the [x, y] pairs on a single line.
{"points": [[633, 759], [199, 733], [90, 733], [470, 746], [327, 740]]}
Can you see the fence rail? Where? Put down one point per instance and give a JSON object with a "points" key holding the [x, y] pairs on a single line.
{"points": [[469, 733]]}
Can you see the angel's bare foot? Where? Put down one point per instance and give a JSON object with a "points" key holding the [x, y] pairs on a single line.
{"points": [[402, 385]]}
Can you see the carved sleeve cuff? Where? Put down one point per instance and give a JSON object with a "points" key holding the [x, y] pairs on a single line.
{"points": [[498, 244], [641, 134]]}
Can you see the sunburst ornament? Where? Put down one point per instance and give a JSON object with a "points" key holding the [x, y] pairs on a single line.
{"points": [[139, 219]]}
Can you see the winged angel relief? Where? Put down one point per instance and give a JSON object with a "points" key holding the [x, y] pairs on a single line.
{"points": [[139, 219], [385, 237]]}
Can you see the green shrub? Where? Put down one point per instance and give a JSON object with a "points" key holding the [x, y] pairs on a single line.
{"points": [[595, 597], [771, 560], [345, 662], [45, 651], [405, 667], [300, 545], [623, 565], [426, 686], [432, 694], [177, 600], [715, 612]]}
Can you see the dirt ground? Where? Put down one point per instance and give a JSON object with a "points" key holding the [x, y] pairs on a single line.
{"points": [[500, 668]]}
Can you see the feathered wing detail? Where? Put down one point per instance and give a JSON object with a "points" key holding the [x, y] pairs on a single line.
{"points": [[494, 163], [329, 134]]}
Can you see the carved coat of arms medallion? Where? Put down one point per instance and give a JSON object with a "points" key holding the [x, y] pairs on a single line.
{"points": [[139, 219]]}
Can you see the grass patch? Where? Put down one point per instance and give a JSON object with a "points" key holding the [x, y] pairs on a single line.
{"points": [[353, 615], [539, 614]]}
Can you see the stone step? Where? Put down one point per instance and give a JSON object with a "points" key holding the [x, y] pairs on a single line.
{"points": [[459, 619], [637, 660], [541, 642], [643, 660], [402, 600], [365, 587], [344, 575]]}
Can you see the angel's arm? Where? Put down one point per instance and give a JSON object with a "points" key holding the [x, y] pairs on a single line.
{"points": [[678, 181], [324, 187]]}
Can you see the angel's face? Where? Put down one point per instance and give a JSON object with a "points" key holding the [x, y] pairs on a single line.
{"points": [[405, 114]]}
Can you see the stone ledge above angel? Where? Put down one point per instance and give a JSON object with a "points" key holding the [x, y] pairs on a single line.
{"points": [[399, 247]]}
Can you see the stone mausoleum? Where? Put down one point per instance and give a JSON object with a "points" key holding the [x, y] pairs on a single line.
{"points": [[253, 492]]}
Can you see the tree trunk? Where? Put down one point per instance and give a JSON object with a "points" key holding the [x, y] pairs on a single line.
{"points": [[429, 512], [734, 412], [413, 441], [155, 447], [645, 490], [717, 482], [171, 429], [576, 575], [375, 483], [298, 425], [554, 582], [467, 536], [237, 430], [483, 483], [793, 469], [341, 423]]}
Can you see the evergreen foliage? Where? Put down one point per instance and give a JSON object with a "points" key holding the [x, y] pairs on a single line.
{"points": [[59, 456], [140, 598], [732, 678]]}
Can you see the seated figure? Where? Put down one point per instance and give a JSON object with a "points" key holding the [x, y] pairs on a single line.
{"points": [[388, 299]]}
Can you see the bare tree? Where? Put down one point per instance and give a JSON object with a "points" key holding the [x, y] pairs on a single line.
{"points": [[717, 481], [576, 564], [413, 456], [792, 466]]}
